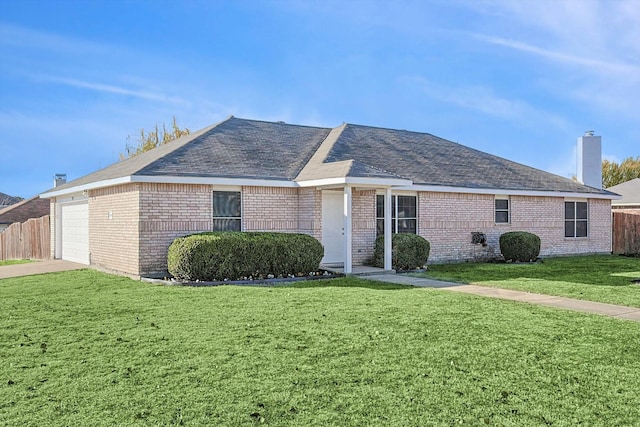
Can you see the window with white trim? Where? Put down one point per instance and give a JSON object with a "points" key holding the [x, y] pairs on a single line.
{"points": [[404, 214], [576, 219], [502, 210], [227, 211]]}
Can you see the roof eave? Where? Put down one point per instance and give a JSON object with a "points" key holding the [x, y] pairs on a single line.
{"points": [[356, 181], [221, 181], [507, 191]]}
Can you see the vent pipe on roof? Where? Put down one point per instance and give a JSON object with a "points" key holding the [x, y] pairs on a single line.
{"points": [[590, 160], [59, 179]]}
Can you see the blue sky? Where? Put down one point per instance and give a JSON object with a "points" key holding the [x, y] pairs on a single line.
{"points": [[518, 79]]}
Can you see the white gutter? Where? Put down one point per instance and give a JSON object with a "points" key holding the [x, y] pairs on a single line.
{"points": [[168, 180], [506, 192], [354, 181], [398, 184]]}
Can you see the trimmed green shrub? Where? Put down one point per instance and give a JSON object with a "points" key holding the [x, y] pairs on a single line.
{"points": [[519, 246], [233, 255], [408, 251]]}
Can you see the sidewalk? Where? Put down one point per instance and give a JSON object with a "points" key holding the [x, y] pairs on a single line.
{"points": [[38, 267], [611, 310]]}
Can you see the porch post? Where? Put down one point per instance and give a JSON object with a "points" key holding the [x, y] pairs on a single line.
{"points": [[387, 229], [347, 229]]}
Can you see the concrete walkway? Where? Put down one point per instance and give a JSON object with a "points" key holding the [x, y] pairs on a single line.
{"points": [[611, 310], [38, 267]]}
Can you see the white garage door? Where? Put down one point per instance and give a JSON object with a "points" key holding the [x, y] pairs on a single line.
{"points": [[75, 232]]}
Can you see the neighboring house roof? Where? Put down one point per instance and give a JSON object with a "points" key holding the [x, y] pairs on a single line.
{"points": [[6, 200], [251, 149], [34, 207], [630, 192]]}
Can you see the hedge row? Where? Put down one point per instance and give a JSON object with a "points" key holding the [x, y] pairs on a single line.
{"points": [[233, 255]]}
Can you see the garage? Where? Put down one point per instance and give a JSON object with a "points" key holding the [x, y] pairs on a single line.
{"points": [[74, 234]]}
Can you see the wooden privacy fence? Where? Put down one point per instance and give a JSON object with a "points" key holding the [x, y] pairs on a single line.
{"points": [[626, 233], [27, 240]]}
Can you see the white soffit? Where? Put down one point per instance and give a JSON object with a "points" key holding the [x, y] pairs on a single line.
{"points": [[397, 184]]}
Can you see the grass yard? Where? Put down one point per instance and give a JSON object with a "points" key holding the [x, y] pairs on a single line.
{"points": [[601, 278], [14, 261], [87, 348]]}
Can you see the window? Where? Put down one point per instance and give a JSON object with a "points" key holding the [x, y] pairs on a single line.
{"points": [[502, 210], [227, 211], [575, 219], [404, 214]]}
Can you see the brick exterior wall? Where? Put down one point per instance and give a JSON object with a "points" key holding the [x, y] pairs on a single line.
{"points": [[114, 228], [168, 211], [363, 208], [310, 212], [448, 219], [131, 226], [270, 209]]}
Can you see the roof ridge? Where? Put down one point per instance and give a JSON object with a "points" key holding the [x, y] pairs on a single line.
{"points": [[279, 122], [321, 153], [396, 130]]}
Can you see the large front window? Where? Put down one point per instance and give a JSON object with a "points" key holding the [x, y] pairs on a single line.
{"points": [[404, 214], [227, 211], [575, 219]]}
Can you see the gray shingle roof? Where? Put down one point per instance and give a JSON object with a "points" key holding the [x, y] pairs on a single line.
{"points": [[240, 148], [430, 160], [7, 200], [233, 148], [34, 207]]}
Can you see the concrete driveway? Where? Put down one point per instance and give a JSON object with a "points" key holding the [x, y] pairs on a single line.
{"points": [[38, 267]]}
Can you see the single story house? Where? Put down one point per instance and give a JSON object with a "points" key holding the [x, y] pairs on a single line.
{"points": [[344, 186], [34, 207], [630, 192]]}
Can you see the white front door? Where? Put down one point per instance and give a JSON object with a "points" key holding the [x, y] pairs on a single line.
{"points": [[332, 227]]}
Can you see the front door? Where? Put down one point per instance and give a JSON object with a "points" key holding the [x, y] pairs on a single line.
{"points": [[333, 227]]}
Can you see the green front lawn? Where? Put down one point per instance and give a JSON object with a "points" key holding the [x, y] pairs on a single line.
{"points": [[601, 278], [14, 261], [87, 348]]}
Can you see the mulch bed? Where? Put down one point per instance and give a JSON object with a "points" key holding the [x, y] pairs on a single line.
{"points": [[319, 275]]}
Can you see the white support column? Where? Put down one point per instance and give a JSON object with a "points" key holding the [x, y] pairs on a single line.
{"points": [[387, 229], [348, 257]]}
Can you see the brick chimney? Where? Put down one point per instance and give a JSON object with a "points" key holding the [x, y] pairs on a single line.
{"points": [[590, 160]]}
